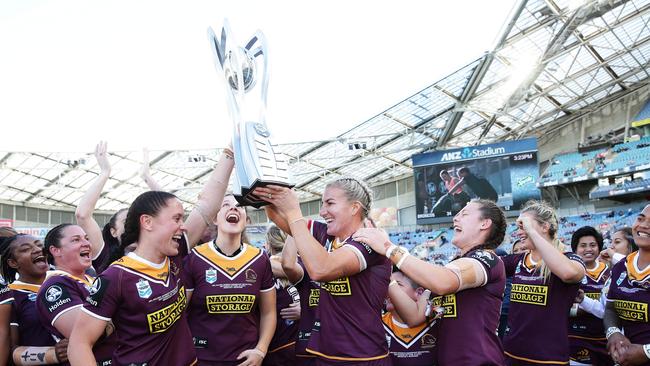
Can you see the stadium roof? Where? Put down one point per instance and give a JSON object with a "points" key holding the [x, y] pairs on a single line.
{"points": [[555, 60]]}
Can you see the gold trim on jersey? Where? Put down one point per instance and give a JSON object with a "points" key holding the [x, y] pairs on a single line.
{"points": [[347, 358], [632, 272], [536, 361], [86, 280], [231, 267], [404, 335], [144, 270], [24, 287], [282, 347], [528, 264], [597, 273]]}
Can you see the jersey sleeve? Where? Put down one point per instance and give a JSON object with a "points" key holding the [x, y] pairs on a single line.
{"points": [[474, 269], [304, 273], [487, 259], [575, 257], [367, 257], [104, 298], [511, 261], [101, 261], [186, 273], [58, 297], [318, 230], [6, 295], [268, 283]]}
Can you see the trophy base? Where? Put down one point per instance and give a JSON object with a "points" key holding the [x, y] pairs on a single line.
{"points": [[247, 198]]}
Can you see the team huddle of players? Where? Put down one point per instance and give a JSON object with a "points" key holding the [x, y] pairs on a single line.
{"points": [[154, 288]]}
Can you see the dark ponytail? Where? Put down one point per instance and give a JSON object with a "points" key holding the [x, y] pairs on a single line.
{"points": [[112, 242], [490, 210], [148, 203], [53, 239]]}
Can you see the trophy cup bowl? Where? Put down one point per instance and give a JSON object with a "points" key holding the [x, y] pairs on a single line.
{"points": [[246, 76]]}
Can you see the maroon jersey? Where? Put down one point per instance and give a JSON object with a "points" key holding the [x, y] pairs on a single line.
{"points": [[25, 316], [102, 259], [62, 292], [348, 324], [309, 293], [586, 332], [146, 302], [538, 312], [410, 346], [628, 290], [225, 300], [6, 295], [478, 329], [285, 330]]}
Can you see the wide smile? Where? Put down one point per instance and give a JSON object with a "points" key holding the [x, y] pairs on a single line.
{"points": [[85, 254], [233, 217], [39, 259]]}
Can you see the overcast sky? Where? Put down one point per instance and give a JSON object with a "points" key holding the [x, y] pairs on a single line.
{"points": [[140, 73]]}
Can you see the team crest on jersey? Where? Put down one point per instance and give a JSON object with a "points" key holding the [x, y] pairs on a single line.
{"points": [[620, 278], [584, 280], [428, 341], [144, 289], [97, 284], [32, 297], [251, 276], [211, 275], [53, 293]]}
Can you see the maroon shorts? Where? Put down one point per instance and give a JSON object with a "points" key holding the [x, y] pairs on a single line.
{"points": [[386, 361], [284, 356]]}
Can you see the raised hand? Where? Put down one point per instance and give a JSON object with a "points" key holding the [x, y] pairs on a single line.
{"points": [[101, 154]]}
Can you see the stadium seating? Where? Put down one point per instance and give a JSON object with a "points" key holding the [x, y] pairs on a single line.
{"points": [[620, 158], [630, 186]]}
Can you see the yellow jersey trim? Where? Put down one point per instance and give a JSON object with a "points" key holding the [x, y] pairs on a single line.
{"points": [[282, 347], [536, 361], [347, 358]]}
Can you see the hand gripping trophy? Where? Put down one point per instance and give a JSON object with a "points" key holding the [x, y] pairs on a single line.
{"points": [[245, 70]]}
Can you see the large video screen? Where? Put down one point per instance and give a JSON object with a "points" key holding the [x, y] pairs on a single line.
{"points": [[446, 180]]}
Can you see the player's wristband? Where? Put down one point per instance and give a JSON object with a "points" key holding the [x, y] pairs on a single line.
{"points": [[390, 250], [611, 331], [646, 350], [401, 261]]}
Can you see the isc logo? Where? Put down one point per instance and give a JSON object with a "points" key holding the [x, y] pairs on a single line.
{"points": [[454, 155]]}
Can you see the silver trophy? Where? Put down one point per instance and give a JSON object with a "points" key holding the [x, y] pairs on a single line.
{"points": [[245, 70]]}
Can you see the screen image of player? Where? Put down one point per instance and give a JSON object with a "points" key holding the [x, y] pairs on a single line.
{"points": [[446, 180]]}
